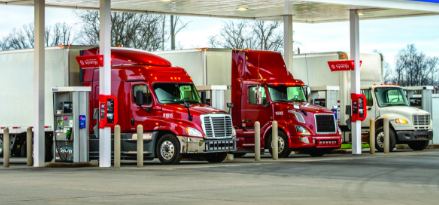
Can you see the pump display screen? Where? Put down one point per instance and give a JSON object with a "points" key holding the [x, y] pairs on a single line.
{"points": [[355, 107], [110, 111], [102, 111], [361, 108]]}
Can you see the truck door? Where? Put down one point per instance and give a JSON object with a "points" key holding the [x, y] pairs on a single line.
{"points": [[371, 107], [255, 107], [146, 114]]}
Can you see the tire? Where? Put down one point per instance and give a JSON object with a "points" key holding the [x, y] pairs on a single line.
{"points": [[216, 157], [283, 145], [317, 153], [1, 146], [168, 150], [238, 154], [379, 139], [417, 146]]}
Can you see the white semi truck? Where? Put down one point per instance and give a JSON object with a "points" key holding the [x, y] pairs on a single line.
{"points": [[409, 125]]}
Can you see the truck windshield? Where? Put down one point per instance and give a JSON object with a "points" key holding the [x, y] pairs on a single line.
{"points": [[176, 93], [390, 97], [286, 94]]}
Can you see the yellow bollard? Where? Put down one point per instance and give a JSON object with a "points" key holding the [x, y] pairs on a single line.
{"points": [[372, 136], [139, 146], [117, 147], [6, 147], [386, 135], [275, 141], [29, 143], [257, 141]]}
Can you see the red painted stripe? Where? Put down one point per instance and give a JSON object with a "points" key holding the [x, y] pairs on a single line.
{"points": [[14, 127], [2, 127]]}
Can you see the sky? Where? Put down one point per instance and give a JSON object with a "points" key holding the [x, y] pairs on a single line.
{"points": [[386, 35]]}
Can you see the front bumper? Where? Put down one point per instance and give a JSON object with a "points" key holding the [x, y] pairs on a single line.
{"points": [[192, 145], [324, 142], [420, 135]]}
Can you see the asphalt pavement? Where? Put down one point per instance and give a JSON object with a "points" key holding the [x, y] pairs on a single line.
{"points": [[401, 177]]}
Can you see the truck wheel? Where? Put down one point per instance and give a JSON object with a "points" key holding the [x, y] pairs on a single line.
{"points": [[1, 146], [418, 145], [168, 150], [283, 146], [216, 157], [317, 153], [379, 139]]}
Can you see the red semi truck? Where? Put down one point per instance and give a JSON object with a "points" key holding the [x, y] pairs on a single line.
{"points": [[262, 89], [150, 92]]}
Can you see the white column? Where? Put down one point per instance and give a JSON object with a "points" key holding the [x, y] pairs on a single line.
{"points": [[288, 35], [355, 75], [105, 78], [39, 51]]}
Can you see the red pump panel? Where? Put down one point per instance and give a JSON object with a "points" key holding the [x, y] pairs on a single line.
{"points": [[359, 105], [108, 113]]}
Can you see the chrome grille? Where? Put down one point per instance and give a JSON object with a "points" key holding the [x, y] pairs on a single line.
{"points": [[325, 123], [421, 119], [217, 126]]}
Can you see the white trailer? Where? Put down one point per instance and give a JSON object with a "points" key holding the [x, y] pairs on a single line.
{"points": [[17, 88]]}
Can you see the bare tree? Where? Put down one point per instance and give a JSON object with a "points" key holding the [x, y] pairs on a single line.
{"points": [[177, 25], [241, 34], [61, 33], [415, 68], [388, 71]]}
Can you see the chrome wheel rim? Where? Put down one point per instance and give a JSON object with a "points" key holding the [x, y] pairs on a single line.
{"points": [[167, 150], [380, 139], [281, 145]]}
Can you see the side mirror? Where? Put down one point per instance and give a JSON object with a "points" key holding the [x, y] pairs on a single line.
{"points": [[187, 105], [230, 105], [139, 98]]}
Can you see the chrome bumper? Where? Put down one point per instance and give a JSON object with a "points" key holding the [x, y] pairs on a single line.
{"points": [[191, 145]]}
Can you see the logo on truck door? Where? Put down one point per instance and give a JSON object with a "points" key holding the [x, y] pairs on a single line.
{"points": [[168, 115]]}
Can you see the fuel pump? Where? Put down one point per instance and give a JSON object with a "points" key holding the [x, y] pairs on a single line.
{"points": [[71, 135]]}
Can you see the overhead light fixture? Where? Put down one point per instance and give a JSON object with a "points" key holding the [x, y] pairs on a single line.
{"points": [[242, 8], [166, 0], [360, 14]]}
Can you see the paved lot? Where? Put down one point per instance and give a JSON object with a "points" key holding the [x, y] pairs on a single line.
{"points": [[403, 177]]}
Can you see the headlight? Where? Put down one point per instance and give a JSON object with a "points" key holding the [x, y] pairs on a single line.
{"points": [[401, 121], [431, 121], [234, 131], [190, 131], [301, 130], [339, 131]]}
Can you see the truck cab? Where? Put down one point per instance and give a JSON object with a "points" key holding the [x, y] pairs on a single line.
{"points": [[163, 99], [264, 90], [408, 125]]}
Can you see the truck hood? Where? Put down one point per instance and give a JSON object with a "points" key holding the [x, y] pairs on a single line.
{"points": [[302, 105], [195, 109], [405, 111]]}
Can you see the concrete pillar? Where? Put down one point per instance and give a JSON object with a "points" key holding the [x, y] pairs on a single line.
{"points": [[39, 51], [139, 145], [386, 136], [6, 149], [372, 136], [105, 77], [275, 141], [355, 75], [288, 35], [257, 141]]}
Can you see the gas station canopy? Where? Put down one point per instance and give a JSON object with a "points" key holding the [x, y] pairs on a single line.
{"points": [[304, 11]]}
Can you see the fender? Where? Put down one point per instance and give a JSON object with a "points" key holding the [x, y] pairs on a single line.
{"points": [[265, 130], [178, 126]]}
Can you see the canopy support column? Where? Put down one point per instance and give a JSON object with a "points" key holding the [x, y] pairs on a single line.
{"points": [[39, 53], [355, 75], [288, 35], [105, 77]]}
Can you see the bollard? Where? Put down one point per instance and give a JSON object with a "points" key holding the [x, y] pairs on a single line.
{"points": [[139, 146], [257, 141], [117, 147], [230, 156], [386, 135], [6, 147], [275, 141], [29, 143], [372, 136]]}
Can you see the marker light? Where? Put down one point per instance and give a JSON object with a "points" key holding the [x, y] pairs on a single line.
{"points": [[401, 121], [69, 45], [382, 84], [396, 84], [60, 45], [375, 84], [387, 83], [343, 56], [276, 84], [198, 48], [118, 46]]}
